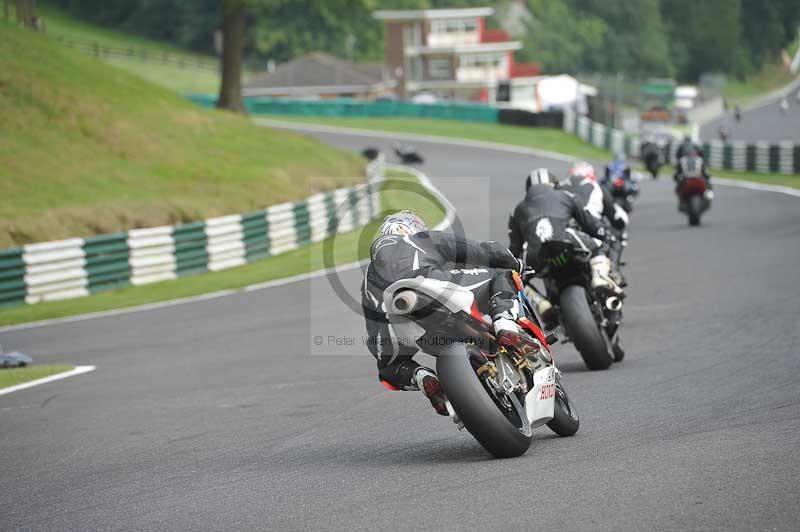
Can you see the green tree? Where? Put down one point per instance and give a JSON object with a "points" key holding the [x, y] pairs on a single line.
{"points": [[704, 37]]}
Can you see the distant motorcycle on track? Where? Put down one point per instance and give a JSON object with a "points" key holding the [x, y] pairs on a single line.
{"points": [[694, 194], [498, 396]]}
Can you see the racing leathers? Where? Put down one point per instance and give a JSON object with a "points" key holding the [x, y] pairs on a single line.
{"points": [[597, 201], [545, 214], [483, 267], [689, 149]]}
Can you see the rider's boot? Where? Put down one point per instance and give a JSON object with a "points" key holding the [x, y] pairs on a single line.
{"points": [[510, 336], [601, 275], [428, 384]]}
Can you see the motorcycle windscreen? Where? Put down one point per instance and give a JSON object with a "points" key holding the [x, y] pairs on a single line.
{"points": [[540, 401]]}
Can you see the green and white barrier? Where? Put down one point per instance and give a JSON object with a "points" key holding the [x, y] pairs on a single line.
{"points": [[78, 267], [359, 108], [776, 158]]}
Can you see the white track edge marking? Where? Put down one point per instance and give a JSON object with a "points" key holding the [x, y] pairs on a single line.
{"points": [[77, 370]]}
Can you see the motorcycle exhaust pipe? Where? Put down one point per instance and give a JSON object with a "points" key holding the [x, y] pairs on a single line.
{"points": [[614, 304], [404, 302]]}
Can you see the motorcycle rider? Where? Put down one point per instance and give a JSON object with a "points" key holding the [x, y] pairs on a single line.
{"points": [[407, 249], [617, 168], [597, 201], [544, 214], [687, 148], [651, 156]]}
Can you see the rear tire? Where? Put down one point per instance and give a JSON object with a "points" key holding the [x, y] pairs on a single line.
{"points": [[695, 209], [478, 411], [582, 328], [565, 420]]}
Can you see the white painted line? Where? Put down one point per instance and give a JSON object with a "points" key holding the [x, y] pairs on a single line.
{"points": [[761, 187], [449, 217], [78, 370], [433, 139]]}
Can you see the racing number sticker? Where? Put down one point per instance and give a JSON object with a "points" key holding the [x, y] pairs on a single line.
{"points": [[548, 391]]}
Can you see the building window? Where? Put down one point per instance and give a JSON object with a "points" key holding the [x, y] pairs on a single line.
{"points": [[482, 61], [439, 68], [469, 25]]}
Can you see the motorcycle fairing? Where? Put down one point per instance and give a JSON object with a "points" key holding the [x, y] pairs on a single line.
{"points": [[540, 401]]}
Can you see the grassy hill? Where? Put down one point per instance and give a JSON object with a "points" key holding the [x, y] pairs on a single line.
{"points": [[159, 62], [87, 148]]}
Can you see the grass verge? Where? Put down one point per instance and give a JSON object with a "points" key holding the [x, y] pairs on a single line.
{"points": [[86, 148], [14, 376], [347, 247], [771, 77], [543, 138]]}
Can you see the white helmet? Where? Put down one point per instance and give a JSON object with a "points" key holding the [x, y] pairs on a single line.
{"points": [[540, 176], [403, 223]]}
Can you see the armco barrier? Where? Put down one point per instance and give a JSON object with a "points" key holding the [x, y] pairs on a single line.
{"points": [[778, 158], [77, 267], [356, 108]]}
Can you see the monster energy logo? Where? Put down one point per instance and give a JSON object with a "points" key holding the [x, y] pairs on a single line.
{"points": [[558, 260]]}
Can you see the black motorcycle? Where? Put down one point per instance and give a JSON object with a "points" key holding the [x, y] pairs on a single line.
{"points": [[652, 158], [591, 320]]}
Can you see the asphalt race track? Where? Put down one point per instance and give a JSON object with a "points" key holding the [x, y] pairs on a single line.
{"points": [[224, 415]]}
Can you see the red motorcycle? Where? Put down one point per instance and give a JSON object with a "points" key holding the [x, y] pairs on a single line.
{"points": [[693, 192]]}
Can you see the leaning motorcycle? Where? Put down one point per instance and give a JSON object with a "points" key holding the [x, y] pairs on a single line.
{"points": [[591, 320], [498, 396], [693, 192]]}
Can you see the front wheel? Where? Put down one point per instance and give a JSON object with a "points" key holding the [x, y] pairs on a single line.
{"points": [[582, 328], [695, 209], [565, 420], [480, 414]]}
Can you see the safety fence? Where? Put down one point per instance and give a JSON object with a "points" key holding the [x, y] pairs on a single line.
{"points": [[764, 157], [144, 55], [81, 266]]}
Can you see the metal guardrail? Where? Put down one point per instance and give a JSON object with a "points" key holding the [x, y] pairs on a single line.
{"points": [[78, 267], [144, 55], [764, 157]]}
